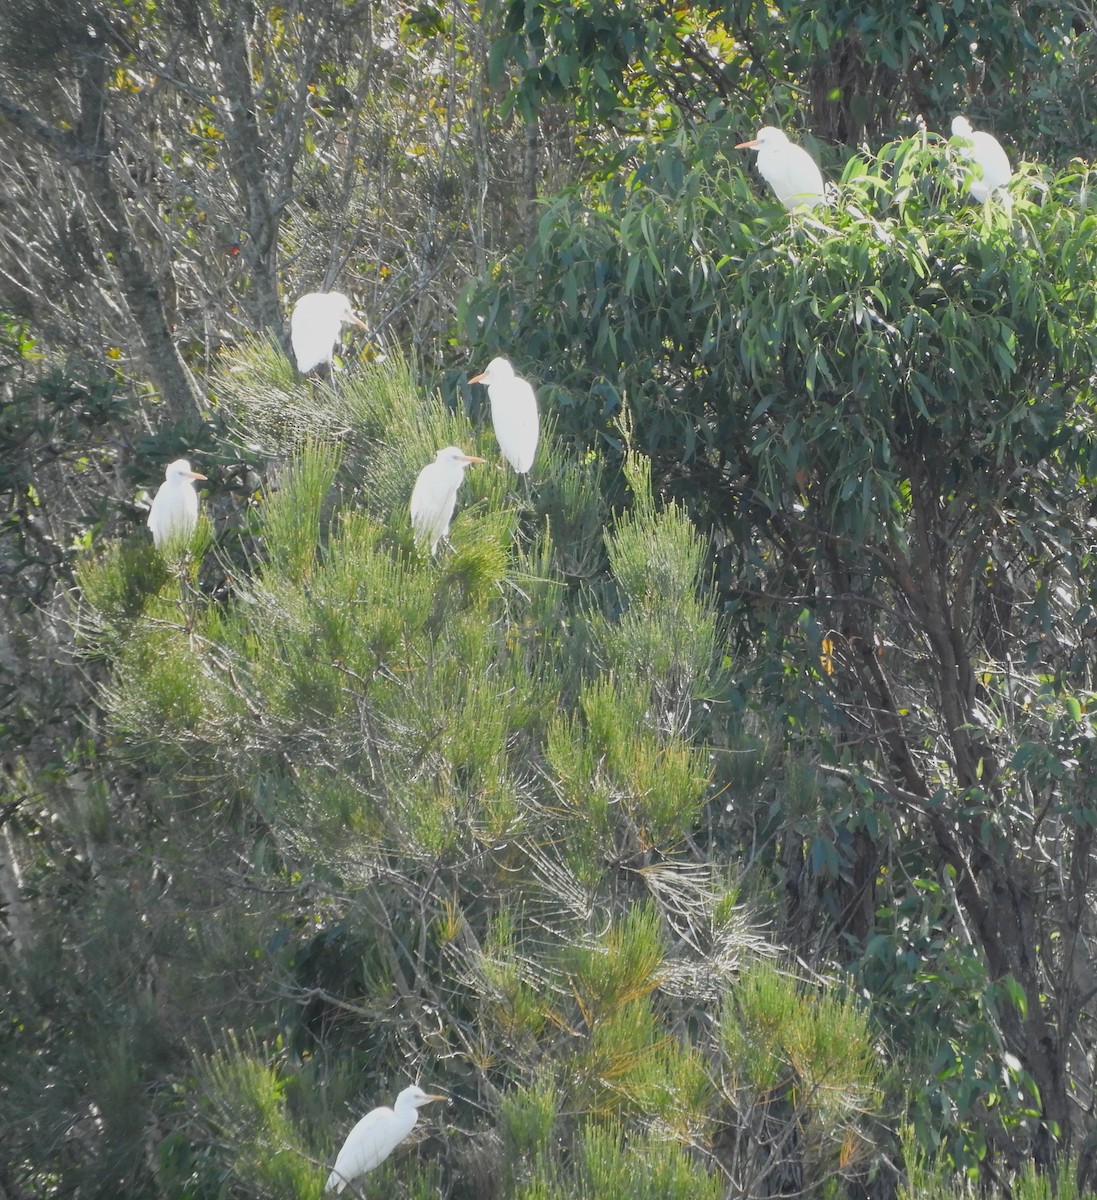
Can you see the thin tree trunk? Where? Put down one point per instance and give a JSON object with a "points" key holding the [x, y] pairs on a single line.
{"points": [[16, 913], [247, 163], [996, 884], [87, 153], [531, 153], [142, 294]]}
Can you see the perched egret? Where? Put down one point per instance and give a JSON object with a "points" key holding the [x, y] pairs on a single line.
{"points": [[985, 151], [787, 168], [314, 327], [513, 413], [375, 1137], [174, 511], [434, 498]]}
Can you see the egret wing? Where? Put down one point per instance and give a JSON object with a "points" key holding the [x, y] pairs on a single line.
{"points": [[174, 512], [516, 422], [368, 1144], [988, 153], [793, 174], [312, 332], [433, 500]]}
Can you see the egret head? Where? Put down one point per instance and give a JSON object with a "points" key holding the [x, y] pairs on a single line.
{"points": [[498, 370], [454, 454], [324, 309], [416, 1097], [342, 309], [769, 137], [961, 127], [179, 472]]}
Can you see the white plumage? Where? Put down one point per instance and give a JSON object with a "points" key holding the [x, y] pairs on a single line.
{"points": [[787, 168], [375, 1137], [986, 152], [513, 413], [174, 511], [434, 496], [314, 327]]}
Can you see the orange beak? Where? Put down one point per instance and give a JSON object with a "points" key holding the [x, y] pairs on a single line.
{"points": [[197, 475], [467, 458], [751, 145], [437, 1097], [477, 378], [360, 324]]}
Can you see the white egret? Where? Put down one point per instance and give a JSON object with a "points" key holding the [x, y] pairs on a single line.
{"points": [[314, 327], [375, 1137], [434, 496], [787, 168], [985, 151], [513, 413], [174, 511]]}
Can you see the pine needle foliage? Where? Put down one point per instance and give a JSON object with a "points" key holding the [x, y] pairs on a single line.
{"points": [[293, 512], [467, 784], [666, 633], [621, 968], [809, 1059], [245, 1105], [527, 1117], [118, 584], [275, 414], [612, 1163], [641, 790]]}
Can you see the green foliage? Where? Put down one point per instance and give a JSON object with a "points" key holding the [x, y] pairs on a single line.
{"points": [[527, 1116], [292, 514], [715, 327], [350, 815], [607, 1163], [666, 634], [244, 1105], [882, 408], [359, 705], [119, 583], [802, 1066], [777, 1037], [621, 970], [612, 1165], [638, 789], [946, 1014], [846, 73]]}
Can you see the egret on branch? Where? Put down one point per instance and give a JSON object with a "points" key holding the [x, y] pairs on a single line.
{"points": [[787, 168], [434, 498], [985, 151], [174, 511], [314, 327], [513, 413], [375, 1137]]}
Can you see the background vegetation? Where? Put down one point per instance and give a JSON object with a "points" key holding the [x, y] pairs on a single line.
{"points": [[716, 816]]}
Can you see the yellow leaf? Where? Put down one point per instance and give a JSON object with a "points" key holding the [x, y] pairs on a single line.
{"points": [[827, 657]]}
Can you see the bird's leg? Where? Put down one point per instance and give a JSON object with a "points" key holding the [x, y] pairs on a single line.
{"points": [[521, 495], [188, 593]]}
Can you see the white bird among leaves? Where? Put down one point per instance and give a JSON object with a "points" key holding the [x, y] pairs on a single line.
{"points": [[985, 151], [174, 511], [434, 496], [513, 413], [789, 169], [314, 327], [375, 1137]]}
